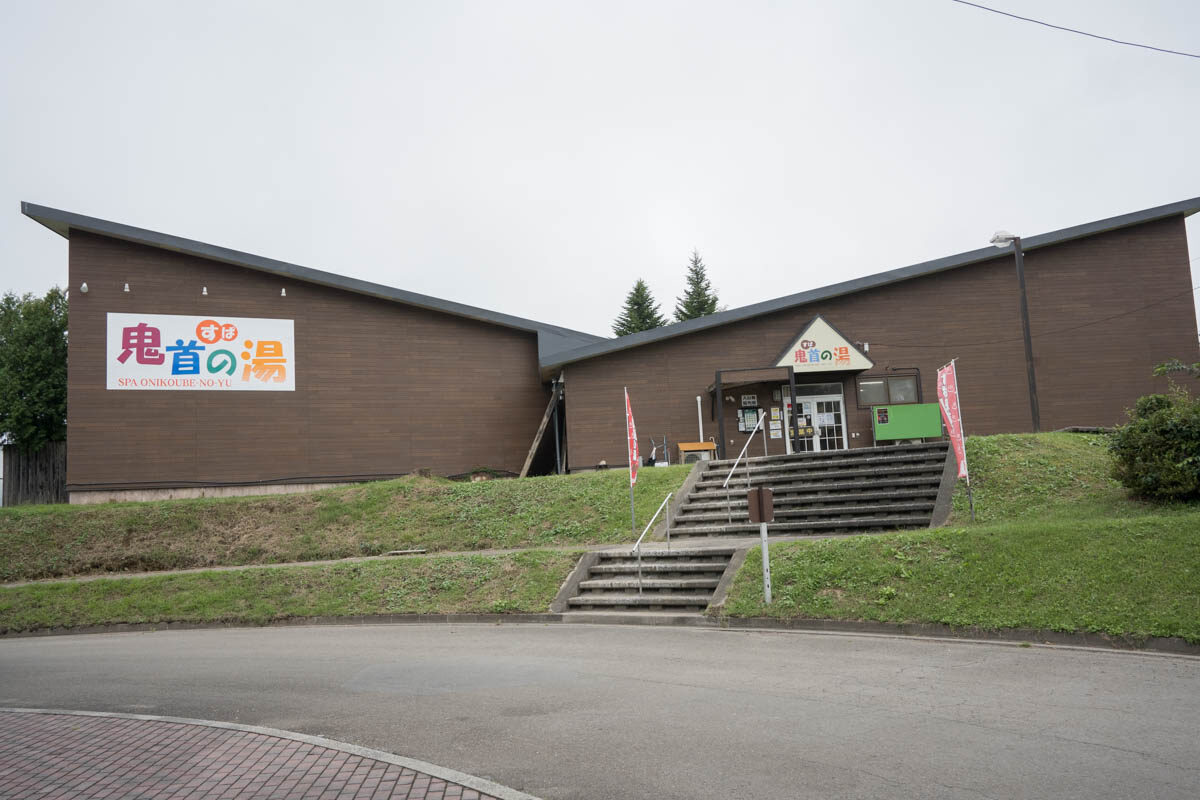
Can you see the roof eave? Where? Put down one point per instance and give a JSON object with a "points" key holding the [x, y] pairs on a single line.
{"points": [[63, 222], [1183, 208]]}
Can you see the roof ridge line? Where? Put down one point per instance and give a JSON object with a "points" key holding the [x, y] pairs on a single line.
{"points": [[873, 281], [61, 222]]}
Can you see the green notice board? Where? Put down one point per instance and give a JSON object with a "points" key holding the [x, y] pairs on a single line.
{"points": [[908, 421]]}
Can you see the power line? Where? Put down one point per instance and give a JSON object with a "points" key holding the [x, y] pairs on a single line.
{"points": [[1073, 30], [1193, 290]]}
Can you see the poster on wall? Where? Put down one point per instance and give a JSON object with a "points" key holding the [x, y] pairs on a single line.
{"points": [[211, 353]]}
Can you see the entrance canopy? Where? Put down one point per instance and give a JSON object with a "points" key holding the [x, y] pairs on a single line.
{"points": [[732, 378], [811, 358]]}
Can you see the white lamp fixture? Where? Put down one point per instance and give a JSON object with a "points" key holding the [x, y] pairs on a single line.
{"points": [[283, 292], [83, 287], [1002, 238], [204, 291], [127, 287]]}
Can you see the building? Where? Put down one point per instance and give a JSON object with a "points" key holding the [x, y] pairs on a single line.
{"points": [[197, 369]]}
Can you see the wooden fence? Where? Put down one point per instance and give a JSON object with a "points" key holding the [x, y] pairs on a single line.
{"points": [[35, 477]]}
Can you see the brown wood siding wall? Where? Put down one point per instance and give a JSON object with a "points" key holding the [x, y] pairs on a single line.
{"points": [[1089, 368], [381, 388]]}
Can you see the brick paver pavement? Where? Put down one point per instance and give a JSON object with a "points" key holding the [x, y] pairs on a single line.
{"points": [[52, 756]]}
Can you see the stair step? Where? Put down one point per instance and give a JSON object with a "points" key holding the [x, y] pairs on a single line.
{"points": [[821, 478], [789, 499], [807, 462], [645, 599], [801, 476], [659, 550], [631, 584], [789, 512], [852, 452], [816, 480], [664, 557], [628, 567], [780, 528]]}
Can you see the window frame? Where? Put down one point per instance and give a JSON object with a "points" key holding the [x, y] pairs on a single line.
{"points": [[887, 382]]}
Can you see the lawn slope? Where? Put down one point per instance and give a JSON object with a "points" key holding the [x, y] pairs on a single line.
{"points": [[369, 519], [513, 582], [1057, 545]]}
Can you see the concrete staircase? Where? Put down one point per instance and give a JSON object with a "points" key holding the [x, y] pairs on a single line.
{"points": [[840, 491], [683, 579]]}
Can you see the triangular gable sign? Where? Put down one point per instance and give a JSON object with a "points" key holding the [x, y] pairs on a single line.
{"points": [[821, 348]]}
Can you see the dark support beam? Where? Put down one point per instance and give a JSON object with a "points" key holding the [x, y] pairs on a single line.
{"points": [[551, 407]]}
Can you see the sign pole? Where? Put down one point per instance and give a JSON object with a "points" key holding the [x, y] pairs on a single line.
{"points": [[761, 505], [632, 513], [762, 533]]}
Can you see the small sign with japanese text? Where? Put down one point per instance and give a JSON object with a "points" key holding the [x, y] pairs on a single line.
{"points": [[217, 353]]}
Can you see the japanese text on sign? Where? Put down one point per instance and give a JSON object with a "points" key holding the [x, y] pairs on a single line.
{"points": [[170, 352]]}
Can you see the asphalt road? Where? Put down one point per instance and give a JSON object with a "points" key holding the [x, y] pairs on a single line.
{"points": [[580, 711]]}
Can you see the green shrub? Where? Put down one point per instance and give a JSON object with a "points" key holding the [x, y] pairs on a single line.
{"points": [[1157, 455], [1145, 406]]}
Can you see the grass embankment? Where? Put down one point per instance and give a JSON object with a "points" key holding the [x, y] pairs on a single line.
{"points": [[512, 582], [370, 519], [1056, 545]]}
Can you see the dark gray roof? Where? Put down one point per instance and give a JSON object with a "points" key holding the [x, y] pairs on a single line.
{"points": [[557, 360], [551, 339]]}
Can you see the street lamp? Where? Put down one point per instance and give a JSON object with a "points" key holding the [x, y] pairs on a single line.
{"points": [[1003, 239]]}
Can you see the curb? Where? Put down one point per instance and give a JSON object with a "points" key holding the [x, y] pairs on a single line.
{"points": [[454, 776], [1149, 645]]}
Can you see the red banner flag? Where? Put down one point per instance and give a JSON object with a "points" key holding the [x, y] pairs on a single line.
{"points": [[631, 430], [947, 392]]}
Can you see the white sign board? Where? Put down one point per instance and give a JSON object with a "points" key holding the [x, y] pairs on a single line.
{"points": [[820, 348], [217, 353]]}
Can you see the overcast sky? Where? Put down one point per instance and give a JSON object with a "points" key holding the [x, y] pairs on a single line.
{"points": [[536, 158]]}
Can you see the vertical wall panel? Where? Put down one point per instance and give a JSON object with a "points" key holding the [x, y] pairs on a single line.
{"points": [[381, 388]]}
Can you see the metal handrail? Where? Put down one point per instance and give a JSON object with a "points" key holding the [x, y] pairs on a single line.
{"points": [[725, 485], [637, 546]]}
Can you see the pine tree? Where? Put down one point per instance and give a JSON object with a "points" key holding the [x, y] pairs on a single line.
{"points": [[699, 300], [640, 313]]}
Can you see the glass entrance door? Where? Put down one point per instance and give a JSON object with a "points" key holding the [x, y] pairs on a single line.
{"points": [[831, 424], [821, 424]]}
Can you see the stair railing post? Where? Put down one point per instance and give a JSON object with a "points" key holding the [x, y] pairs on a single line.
{"points": [[637, 546], [725, 485], [639, 551]]}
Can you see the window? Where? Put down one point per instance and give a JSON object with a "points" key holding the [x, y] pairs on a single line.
{"points": [[902, 389], [872, 392], [886, 390]]}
